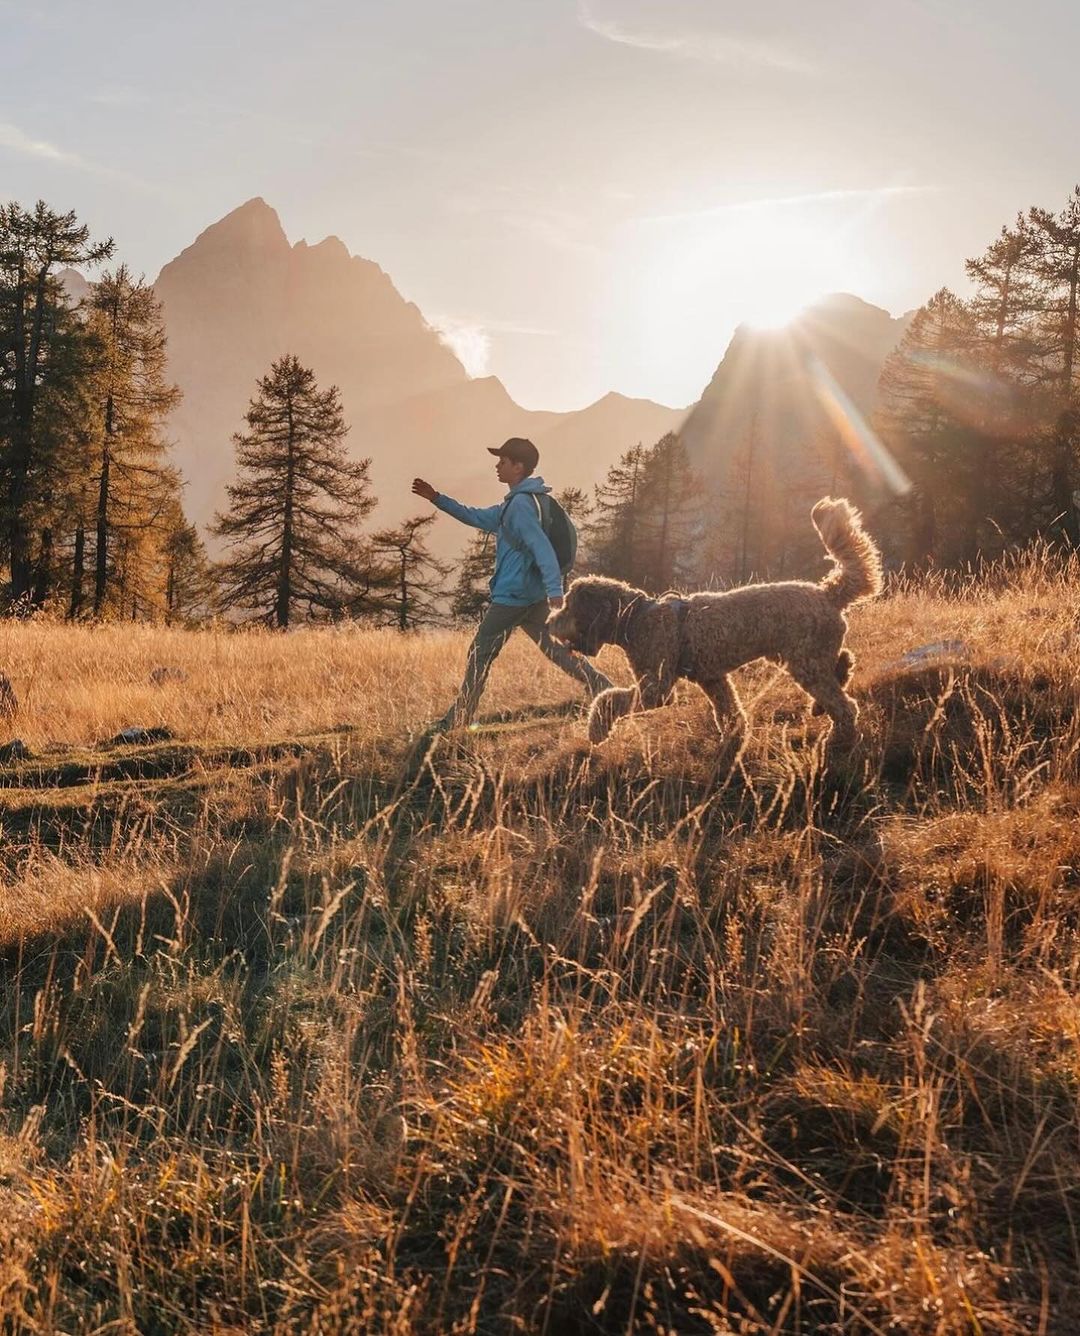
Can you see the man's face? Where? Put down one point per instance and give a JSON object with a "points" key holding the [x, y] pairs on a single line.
{"points": [[509, 472]]}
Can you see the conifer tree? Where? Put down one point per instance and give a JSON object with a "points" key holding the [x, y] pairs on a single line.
{"points": [[740, 507], [613, 531], [131, 481], [471, 593], [293, 523], [1006, 308], [189, 588], [1006, 297], [671, 516], [39, 334], [1058, 265], [929, 416], [577, 504], [410, 574]]}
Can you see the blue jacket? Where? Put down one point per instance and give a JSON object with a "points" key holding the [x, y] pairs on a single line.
{"points": [[526, 567]]}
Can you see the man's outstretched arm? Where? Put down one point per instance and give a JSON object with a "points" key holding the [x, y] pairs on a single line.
{"points": [[480, 517]]}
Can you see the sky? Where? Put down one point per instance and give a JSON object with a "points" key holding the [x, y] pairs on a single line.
{"points": [[584, 195]]}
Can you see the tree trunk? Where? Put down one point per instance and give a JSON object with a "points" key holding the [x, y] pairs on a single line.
{"points": [[744, 535], [25, 394], [284, 589], [18, 527], [101, 526], [662, 580], [78, 573], [43, 571]]}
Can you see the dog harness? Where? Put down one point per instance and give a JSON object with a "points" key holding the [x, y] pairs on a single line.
{"points": [[682, 607]]}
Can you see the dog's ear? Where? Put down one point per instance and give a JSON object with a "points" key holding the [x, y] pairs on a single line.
{"points": [[603, 613]]}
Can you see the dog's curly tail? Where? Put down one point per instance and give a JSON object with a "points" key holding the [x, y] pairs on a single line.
{"points": [[857, 571]]}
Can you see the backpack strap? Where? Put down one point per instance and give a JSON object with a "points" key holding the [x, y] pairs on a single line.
{"points": [[543, 515]]}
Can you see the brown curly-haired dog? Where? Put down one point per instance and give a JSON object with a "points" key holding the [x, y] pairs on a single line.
{"points": [[704, 637]]}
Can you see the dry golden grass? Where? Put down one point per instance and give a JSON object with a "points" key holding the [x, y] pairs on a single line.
{"points": [[305, 1028], [80, 685]]}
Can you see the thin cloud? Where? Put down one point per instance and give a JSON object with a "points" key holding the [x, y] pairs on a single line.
{"points": [[18, 141], [11, 137], [789, 201], [687, 44], [530, 331], [524, 212]]}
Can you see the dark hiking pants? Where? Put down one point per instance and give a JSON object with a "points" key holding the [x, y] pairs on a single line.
{"points": [[492, 634]]}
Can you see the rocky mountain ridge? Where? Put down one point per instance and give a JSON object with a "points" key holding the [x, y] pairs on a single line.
{"points": [[242, 295]]}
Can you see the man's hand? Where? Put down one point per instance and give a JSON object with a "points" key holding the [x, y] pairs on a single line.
{"points": [[424, 489], [554, 604]]}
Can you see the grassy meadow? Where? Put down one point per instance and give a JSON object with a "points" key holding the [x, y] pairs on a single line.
{"points": [[306, 1027]]}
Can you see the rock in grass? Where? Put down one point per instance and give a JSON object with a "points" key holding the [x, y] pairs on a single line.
{"points": [[136, 736], [166, 673], [15, 750]]}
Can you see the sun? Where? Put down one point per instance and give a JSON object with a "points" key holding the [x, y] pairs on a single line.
{"points": [[696, 276]]}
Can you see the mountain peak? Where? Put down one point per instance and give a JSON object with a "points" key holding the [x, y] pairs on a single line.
{"points": [[332, 245], [329, 249], [253, 224], [75, 286], [839, 312], [842, 301]]}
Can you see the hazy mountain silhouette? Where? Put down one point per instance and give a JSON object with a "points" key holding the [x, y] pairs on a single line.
{"points": [[242, 295], [765, 383], [75, 286]]}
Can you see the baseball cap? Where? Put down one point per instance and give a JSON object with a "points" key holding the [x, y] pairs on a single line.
{"points": [[518, 449]]}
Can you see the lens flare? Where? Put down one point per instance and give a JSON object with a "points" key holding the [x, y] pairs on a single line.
{"points": [[861, 441], [974, 395]]}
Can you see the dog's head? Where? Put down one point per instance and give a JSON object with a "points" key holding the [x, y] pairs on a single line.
{"points": [[590, 614]]}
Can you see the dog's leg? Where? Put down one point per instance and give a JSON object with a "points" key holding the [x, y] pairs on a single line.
{"points": [[607, 708], [845, 666], [821, 682], [729, 716], [653, 690]]}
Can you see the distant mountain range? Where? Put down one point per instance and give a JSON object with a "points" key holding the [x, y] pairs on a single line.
{"points": [[242, 295]]}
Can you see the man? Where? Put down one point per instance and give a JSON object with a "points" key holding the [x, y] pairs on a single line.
{"points": [[526, 584]]}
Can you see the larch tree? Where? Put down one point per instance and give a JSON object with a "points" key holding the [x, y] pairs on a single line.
{"points": [[190, 593], [1008, 356], [930, 407], [1058, 266], [411, 575], [471, 593], [672, 514], [742, 501], [37, 331], [295, 510], [614, 529], [131, 483]]}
